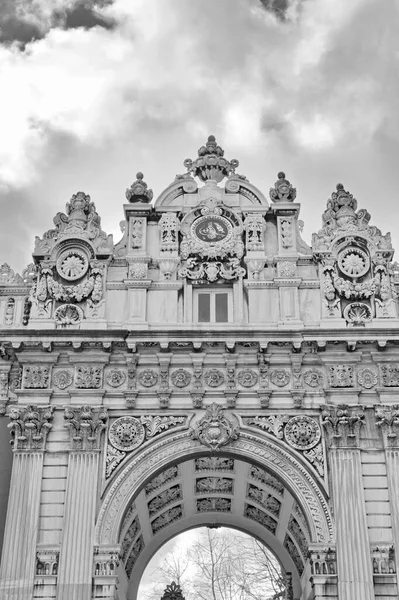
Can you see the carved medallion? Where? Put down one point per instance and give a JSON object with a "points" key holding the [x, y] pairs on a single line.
{"points": [[115, 377], [148, 378], [181, 378], [68, 314], [214, 378], [358, 313], [62, 379], [211, 229], [214, 429], [313, 378], [247, 378], [72, 264], [88, 377], [367, 378], [302, 432], [126, 433], [279, 377], [353, 262]]}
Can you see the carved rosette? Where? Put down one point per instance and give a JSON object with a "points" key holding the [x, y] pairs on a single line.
{"points": [[214, 429], [342, 425], [30, 426], [85, 426]]}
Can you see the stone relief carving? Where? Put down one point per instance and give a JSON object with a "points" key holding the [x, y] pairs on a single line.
{"points": [[367, 378], [342, 424], [115, 377], [181, 378], [62, 378], [214, 505], [323, 561], [313, 378], [283, 191], [255, 226], [134, 554], [214, 429], [68, 314], [214, 463], [112, 460], [254, 513], [36, 376], [9, 312], [341, 376], [383, 559], [169, 226], [157, 482], [261, 475], [266, 500], [168, 496], [280, 377], [88, 377], [47, 561], [213, 485], [4, 375], [148, 378], [126, 433], [136, 232], [390, 375], [292, 550], [85, 426], [30, 426], [131, 533], [167, 518], [302, 432], [298, 535], [213, 378], [274, 424], [247, 378], [211, 163], [286, 268]]}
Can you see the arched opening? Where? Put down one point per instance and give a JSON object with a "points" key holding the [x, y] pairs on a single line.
{"points": [[210, 563]]}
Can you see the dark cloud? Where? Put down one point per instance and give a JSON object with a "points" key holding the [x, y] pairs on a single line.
{"points": [[24, 22], [278, 7]]}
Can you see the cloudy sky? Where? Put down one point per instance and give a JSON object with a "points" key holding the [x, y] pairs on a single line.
{"points": [[91, 91]]}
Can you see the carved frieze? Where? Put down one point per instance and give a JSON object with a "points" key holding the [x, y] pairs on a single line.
{"points": [[293, 551], [167, 518], [162, 500], [133, 556], [214, 485], [30, 426], [254, 513], [169, 226], [313, 378], [214, 463], [390, 375], [130, 535], [267, 478], [214, 505], [213, 378], [247, 378], [266, 500]]}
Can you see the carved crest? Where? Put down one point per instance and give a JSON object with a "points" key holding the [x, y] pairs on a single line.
{"points": [[214, 429]]}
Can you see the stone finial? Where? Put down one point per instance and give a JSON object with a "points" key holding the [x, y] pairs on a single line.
{"points": [[211, 163], [138, 191], [342, 424], [29, 427], [283, 190], [85, 425]]}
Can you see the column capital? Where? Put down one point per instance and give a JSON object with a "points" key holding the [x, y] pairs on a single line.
{"points": [[29, 427], [387, 418], [4, 375], [85, 424], [342, 424]]}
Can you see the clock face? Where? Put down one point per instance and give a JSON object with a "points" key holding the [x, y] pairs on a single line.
{"points": [[211, 229]]}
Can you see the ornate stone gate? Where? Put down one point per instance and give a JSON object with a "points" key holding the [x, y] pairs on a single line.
{"points": [[209, 369]]}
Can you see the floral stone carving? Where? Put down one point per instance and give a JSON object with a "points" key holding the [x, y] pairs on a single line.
{"points": [[358, 313], [367, 378], [72, 264], [36, 376], [126, 433], [148, 378], [214, 429], [302, 432], [341, 376], [214, 378], [181, 378], [313, 378], [68, 314], [85, 426], [62, 378], [30, 426], [390, 375], [88, 377], [247, 378], [279, 377], [115, 378]]}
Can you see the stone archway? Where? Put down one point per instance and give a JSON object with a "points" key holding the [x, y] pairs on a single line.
{"points": [[272, 496]]}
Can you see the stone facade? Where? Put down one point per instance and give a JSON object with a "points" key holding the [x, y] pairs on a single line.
{"points": [[209, 368]]}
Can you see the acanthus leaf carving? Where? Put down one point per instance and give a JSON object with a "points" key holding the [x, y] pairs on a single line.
{"points": [[85, 426], [342, 424], [387, 419], [30, 426]]}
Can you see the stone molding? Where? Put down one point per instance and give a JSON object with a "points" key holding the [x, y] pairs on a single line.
{"points": [[176, 447], [85, 426]]}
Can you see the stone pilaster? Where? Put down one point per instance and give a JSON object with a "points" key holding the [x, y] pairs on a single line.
{"points": [[29, 428], [355, 577], [76, 557], [387, 418]]}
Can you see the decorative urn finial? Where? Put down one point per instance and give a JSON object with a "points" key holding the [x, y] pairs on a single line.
{"points": [[211, 163], [138, 191], [283, 190]]}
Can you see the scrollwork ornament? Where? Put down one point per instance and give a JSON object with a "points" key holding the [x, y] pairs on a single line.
{"points": [[302, 432], [115, 377], [214, 429], [126, 433], [148, 378], [247, 378], [181, 378]]}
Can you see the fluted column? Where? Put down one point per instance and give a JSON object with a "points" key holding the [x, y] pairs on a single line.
{"points": [[29, 427], [76, 555], [387, 418], [355, 578]]}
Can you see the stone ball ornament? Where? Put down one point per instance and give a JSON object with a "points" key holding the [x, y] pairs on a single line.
{"points": [[126, 433]]}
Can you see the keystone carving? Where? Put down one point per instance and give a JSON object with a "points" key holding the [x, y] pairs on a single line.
{"points": [[214, 429], [342, 425], [85, 425], [29, 427]]}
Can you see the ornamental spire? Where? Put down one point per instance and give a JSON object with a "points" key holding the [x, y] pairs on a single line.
{"points": [[138, 191], [211, 163]]}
